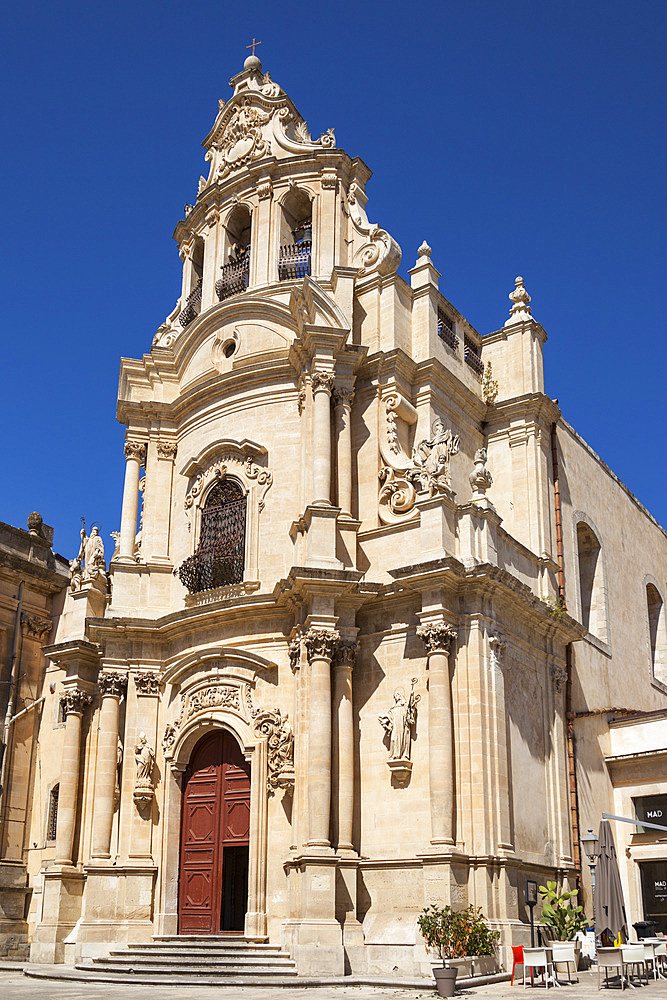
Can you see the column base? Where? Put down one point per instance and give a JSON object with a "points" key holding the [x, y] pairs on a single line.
{"points": [[62, 899], [117, 907], [315, 945], [14, 940]]}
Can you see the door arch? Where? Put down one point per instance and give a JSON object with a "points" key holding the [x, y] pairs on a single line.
{"points": [[215, 837]]}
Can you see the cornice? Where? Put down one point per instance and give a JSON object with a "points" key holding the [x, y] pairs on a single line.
{"points": [[532, 405]]}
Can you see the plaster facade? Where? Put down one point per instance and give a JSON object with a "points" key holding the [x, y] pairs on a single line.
{"points": [[392, 647]]}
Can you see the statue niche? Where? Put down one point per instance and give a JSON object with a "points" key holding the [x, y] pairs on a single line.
{"points": [[219, 558]]}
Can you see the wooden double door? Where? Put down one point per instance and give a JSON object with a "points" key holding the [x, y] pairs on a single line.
{"points": [[215, 834]]}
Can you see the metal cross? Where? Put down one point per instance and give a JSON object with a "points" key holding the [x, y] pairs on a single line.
{"points": [[254, 43]]}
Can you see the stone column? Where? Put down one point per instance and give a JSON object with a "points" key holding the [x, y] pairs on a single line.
{"points": [[112, 686], [322, 383], [343, 405], [134, 455], [320, 645], [437, 637], [160, 508], [262, 267], [343, 743], [209, 297], [74, 704]]}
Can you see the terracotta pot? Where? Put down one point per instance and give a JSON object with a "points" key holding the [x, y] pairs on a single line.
{"points": [[445, 981]]}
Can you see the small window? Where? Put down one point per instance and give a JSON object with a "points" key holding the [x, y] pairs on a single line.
{"points": [[52, 822], [471, 355], [657, 630], [446, 330], [592, 588], [235, 268]]}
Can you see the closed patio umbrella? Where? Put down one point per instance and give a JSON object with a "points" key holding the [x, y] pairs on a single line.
{"points": [[610, 915]]}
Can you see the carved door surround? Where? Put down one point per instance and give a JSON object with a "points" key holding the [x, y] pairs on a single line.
{"points": [[207, 692], [244, 461]]}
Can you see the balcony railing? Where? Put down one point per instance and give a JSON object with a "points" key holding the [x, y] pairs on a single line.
{"points": [[234, 277], [472, 358], [294, 260], [192, 306], [219, 558], [446, 331]]}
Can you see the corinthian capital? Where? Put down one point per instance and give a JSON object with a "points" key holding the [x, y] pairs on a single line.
{"points": [[74, 702], [321, 642], [437, 636], [322, 380], [166, 449], [343, 396], [110, 682], [147, 682], [134, 449], [346, 652]]}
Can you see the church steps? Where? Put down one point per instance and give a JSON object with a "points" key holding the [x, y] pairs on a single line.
{"points": [[233, 959]]}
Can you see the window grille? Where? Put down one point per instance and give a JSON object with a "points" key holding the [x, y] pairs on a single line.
{"points": [[471, 356], [234, 278], [294, 260], [446, 330], [52, 822], [192, 306], [220, 555]]}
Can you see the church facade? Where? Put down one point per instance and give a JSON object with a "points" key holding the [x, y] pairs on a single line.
{"points": [[371, 605]]}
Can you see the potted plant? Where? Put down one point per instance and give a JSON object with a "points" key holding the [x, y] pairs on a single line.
{"points": [[455, 934], [564, 918]]}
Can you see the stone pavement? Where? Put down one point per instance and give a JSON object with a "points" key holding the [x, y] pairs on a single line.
{"points": [[15, 986]]}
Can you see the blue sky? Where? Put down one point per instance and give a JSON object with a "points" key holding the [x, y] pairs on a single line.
{"points": [[516, 138]]}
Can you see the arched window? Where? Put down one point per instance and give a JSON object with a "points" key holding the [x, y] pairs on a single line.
{"points": [[220, 555], [657, 629], [592, 589], [192, 306], [296, 236], [52, 820], [235, 267]]}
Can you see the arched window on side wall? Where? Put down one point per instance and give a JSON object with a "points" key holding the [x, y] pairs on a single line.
{"points": [[52, 819], [592, 586], [657, 629], [235, 268], [296, 236], [220, 555], [192, 306]]}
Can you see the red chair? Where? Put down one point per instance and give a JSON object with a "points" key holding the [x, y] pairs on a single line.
{"points": [[517, 955]]}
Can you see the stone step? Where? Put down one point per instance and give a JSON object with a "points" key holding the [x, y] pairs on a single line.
{"points": [[247, 961], [233, 975], [203, 949]]}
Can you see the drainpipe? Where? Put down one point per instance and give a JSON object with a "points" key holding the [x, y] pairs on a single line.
{"points": [[569, 662], [11, 697]]}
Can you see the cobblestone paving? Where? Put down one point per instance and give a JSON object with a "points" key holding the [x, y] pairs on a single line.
{"points": [[14, 986]]}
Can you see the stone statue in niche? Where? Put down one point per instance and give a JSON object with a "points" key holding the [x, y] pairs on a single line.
{"points": [[144, 757], [431, 458], [398, 723]]}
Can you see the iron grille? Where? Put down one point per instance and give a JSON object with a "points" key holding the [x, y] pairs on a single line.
{"points": [[220, 555], [192, 306], [52, 823], [294, 260], [234, 278], [472, 358], [446, 330]]}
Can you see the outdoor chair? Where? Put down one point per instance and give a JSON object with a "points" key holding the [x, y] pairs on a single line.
{"points": [[610, 958], [660, 955], [650, 957], [564, 954], [517, 959], [537, 958], [633, 958]]}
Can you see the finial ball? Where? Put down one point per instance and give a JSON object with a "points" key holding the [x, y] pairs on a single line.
{"points": [[254, 63]]}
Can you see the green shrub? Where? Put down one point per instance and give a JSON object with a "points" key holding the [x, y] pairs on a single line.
{"points": [[457, 933]]}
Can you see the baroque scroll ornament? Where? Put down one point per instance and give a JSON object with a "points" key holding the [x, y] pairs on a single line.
{"points": [[243, 139], [280, 748], [427, 471]]}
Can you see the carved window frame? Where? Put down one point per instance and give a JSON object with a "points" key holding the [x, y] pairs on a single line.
{"points": [[236, 461]]}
